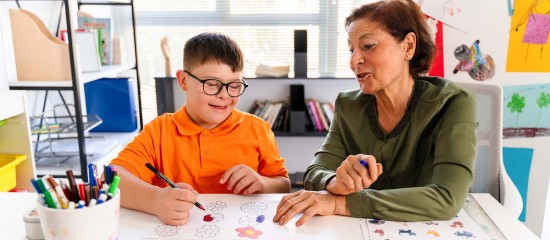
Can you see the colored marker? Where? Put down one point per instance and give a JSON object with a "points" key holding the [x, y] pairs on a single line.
{"points": [[41, 185], [102, 198], [72, 185], [172, 184], [35, 185], [82, 191], [364, 163], [92, 202], [61, 197], [114, 186], [49, 199], [92, 176]]}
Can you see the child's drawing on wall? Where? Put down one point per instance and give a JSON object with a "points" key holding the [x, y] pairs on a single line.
{"points": [[526, 111], [480, 67]]}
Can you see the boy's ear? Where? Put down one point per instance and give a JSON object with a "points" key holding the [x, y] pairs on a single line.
{"points": [[180, 75]]}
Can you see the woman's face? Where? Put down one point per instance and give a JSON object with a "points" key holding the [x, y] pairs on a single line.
{"points": [[377, 58]]}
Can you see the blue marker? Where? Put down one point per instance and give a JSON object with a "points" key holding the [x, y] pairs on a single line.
{"points": [[364, 163], [35, 185]]}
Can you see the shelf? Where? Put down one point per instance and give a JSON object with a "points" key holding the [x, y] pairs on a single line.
{"points": [[106, 71], [105, 2], [63, 128], [102, 156]]}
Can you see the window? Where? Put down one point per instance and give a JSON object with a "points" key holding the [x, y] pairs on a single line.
{"points": [[263, 28]]}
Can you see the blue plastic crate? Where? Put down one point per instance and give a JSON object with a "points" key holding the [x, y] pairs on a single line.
{"points": [[112, 99]]}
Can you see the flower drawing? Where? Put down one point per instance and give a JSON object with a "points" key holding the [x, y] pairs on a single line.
{"points": [[216, 206], [207, 231], [253, 207], [248, 232]]}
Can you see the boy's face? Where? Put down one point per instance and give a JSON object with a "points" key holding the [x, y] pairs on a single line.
{"points": [[206, 110]]}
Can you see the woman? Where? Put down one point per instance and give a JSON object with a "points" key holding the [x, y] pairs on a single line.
{"points": [[422, 130]]}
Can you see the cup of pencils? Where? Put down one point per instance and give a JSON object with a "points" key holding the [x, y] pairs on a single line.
{"points": [[79, 211]]}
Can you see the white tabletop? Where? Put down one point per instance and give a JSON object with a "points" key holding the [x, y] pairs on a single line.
{"points": [[132, 223]]}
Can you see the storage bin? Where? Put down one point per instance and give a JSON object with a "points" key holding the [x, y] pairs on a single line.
{"points": [[8, 162], [112, 99]]}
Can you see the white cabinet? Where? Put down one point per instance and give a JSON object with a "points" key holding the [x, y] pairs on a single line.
{"points": [[15, 137]]}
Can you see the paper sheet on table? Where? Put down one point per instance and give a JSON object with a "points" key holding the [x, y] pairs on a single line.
{"points": [[460, 227], [246, 217]]}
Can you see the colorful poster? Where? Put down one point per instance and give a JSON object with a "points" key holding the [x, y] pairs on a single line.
{"points": [[528, 47], [436, 28], [517, 162], [460, 14], [526, 111]]}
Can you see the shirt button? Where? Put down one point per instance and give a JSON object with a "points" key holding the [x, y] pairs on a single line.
{"points": [[206, 152]]}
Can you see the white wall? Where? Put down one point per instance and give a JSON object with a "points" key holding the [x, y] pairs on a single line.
{"points": [[7, 62], [492, 28]]}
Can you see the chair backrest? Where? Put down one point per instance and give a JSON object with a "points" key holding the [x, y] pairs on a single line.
{"points": [[487, 171]]}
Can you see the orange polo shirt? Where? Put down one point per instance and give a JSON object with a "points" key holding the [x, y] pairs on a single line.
{"points": [[186, 152]]}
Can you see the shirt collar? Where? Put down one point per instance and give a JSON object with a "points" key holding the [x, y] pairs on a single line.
{"points": [[186, 126]]}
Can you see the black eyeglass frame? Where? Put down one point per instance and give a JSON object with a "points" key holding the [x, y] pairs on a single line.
{"points": [[226, 85]]}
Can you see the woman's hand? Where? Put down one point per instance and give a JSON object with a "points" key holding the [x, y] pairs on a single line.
{"points": [[311, 203], [352, 176], [173, 204], [242, 178]]}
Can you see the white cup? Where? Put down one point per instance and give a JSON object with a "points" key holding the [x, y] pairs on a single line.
{"points": [[97, 222]]}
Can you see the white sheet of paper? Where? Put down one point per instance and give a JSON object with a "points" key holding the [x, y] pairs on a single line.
{"points": [[460, 14], [460, 227], [248, 216]]}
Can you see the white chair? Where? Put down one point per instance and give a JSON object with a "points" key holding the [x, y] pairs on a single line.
{"points": [[489, 173], [546, 220]]}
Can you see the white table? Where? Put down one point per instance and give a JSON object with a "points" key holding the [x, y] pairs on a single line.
{"points": [[132, 223]]}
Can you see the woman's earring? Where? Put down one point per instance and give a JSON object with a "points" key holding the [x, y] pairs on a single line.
{"points": [[408, 56]]}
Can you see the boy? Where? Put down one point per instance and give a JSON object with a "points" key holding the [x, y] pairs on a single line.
{"points": [[207, 146]]}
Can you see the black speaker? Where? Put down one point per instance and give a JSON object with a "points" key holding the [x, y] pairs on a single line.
{"points": [[297, 109], [300, 53], [165, 94]]}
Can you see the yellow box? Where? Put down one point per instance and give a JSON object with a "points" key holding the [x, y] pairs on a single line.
{"points": [[7, 170]]}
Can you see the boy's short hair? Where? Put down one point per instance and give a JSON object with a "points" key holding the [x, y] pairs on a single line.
{"points": [[208, 47]]}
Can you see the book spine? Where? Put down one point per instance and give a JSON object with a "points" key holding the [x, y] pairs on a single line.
{"points": [[322, 116], [313, 110], [328, 111]]}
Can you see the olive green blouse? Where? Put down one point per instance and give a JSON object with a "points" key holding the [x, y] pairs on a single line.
{"points": [[428, 158]]}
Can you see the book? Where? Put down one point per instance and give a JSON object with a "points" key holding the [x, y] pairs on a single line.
{"points": [[273, 115], [267, 109], [313, 110], [311, 120], [329, 111], [322, 117], [101, 27]]}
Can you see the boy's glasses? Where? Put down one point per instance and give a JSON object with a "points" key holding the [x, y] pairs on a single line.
{"points": [[214, 86]]}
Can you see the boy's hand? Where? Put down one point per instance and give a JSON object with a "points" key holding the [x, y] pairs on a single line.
{"points": [[242, 177], [352, 176], [173, 204]]}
